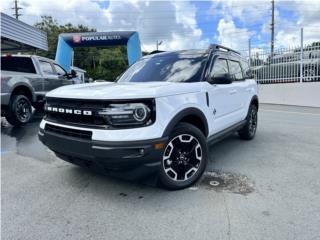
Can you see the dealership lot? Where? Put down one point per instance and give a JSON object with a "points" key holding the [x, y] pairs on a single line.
{"points": [[46, 198]]}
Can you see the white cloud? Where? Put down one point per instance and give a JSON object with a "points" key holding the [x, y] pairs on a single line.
{"points": [[308, 18], [255, 17], [231, 36], [173, 22], [248, 12], [249, 16]]}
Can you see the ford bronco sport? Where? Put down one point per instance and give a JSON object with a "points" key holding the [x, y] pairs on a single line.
{"points": [[159, 116]]}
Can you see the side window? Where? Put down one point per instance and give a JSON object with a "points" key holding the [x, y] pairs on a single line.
{"points": [[220, 67], [60, 71], [235, 70], [245, 69], [46, 67], [17, 64]]}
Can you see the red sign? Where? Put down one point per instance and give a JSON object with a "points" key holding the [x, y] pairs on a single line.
{"points": [[76, 38]]}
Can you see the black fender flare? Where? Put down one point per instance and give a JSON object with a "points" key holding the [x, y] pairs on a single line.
{"points": [[254, 99], [184, 113], [24, 85]]}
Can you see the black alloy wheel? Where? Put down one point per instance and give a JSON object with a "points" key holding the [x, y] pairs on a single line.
{"points": [[184, 158], [19, 110]]}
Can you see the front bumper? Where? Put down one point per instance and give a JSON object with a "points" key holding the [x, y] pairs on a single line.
{"points": [[109, 156]]}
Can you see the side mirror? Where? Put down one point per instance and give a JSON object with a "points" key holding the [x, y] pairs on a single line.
{"points": [[225, 78], [73, 73]]}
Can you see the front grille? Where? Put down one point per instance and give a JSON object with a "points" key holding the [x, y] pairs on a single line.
{"points": [[87, 121], [84, 121], [93, 121], [68, 132], [78, 103]]}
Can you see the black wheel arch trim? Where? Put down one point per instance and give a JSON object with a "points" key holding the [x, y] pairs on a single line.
{"points": [[192, 111], [255, 99], [27, 86]]}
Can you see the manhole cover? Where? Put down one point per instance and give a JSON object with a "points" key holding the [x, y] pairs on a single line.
{"points": [[229, 182], [214, 183]]}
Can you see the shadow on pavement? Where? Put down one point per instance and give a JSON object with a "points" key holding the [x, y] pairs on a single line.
{"points": [[24, 141]]}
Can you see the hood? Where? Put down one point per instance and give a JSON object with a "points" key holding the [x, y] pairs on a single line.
{"points": [[124, 90]]}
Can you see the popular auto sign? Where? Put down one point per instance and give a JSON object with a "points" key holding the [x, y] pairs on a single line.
{"points": [[78, 38]]}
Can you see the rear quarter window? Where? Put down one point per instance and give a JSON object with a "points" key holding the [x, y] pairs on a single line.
{"points": [[17, 64]]}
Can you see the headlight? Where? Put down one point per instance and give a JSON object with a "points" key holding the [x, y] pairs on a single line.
{"points": [[127, 114]]}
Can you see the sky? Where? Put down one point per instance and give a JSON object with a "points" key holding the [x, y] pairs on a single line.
{"points": [[186, 24]]}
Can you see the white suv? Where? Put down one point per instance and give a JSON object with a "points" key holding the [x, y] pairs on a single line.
{"points": [[159, 116]]}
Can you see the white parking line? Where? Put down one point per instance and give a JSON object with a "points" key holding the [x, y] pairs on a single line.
{"points": [[291, 112]]}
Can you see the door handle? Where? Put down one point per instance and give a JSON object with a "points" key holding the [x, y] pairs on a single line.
{"points": [[248, 89], [233, 91]]}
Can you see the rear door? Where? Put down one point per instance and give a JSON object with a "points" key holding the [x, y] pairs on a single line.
{"points": [[222, 96], [19, 69], [240, 85], [51, 78]]}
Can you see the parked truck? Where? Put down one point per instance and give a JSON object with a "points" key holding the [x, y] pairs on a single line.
{"points": [[25, 79]]}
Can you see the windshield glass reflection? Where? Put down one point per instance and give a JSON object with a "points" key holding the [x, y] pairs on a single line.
{"points": [[169, 67]]}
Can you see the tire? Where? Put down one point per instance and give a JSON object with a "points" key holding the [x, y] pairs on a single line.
{"points": [[19, 110], [185, 157], [249, 130]]}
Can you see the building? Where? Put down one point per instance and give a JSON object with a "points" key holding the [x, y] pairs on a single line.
{"points": [[17, 36]]}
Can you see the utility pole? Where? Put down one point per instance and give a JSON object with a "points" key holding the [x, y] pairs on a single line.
{"points": [[16, 9], [301, 56], [249, 52], [158, 44], [272, 29]]}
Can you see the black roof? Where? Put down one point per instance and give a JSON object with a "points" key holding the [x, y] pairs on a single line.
{"points": [[194, 52]]}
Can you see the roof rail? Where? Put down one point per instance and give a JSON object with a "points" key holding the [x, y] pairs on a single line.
{"points": [[217, 46], [155, 52]]}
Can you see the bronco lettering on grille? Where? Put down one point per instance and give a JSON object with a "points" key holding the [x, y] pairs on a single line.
{"points": [[69, 111]]}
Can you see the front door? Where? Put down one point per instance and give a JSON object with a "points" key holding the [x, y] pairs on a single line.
{"points": [[51, 78], [62, 74], [223, 97]]}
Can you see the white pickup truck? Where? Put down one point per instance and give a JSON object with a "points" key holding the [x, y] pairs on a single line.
{"points": [[159, 117]]}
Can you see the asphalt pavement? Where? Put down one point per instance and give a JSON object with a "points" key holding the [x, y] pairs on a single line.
{"points": [[267, 188]]}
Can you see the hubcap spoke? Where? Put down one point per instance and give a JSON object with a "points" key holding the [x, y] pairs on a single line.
{"points": [[190, 171]]}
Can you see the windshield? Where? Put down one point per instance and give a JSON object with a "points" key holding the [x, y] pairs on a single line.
{"points": [[173, 68]]}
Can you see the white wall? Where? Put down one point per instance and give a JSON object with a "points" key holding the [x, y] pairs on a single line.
{"points": [[299, 94]]}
